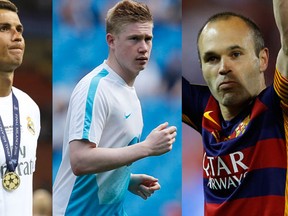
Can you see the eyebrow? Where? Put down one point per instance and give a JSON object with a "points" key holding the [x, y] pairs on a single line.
{"points": [[145, 36], [230, 48], [235, 47], [9, 24]]}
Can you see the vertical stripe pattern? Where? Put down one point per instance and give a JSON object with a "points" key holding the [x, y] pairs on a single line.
{"points": [[90, 101], [281, 87]]}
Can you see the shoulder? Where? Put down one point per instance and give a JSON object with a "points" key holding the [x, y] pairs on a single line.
{"points": [[24, 98], [188, 87], [194, 93], [94, 86], [92, 79]]}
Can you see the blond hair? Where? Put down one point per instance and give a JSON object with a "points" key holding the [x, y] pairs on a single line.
{"points": [[125, 12]]}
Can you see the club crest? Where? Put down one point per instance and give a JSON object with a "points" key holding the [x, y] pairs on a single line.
{"points": [[30, 126]]}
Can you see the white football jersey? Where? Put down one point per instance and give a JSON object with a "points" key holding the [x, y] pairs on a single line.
{"points": [[19, 201], [106, 111]]}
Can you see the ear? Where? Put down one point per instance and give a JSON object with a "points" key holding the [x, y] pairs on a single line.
{"points": [[264, 58], [110, 40]]}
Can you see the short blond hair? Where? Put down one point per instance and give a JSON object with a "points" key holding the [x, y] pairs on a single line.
{"points": [[125, 12]]}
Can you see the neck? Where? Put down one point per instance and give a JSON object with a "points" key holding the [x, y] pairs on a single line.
{"points": [[230, 112], [112, 63], [6, 81]]}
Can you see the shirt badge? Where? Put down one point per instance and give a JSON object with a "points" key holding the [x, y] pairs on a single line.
{"points": [[30, 126]]}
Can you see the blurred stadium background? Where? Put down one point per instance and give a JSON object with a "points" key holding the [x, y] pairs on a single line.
{"points": [[79, 45], [34, 77], [194, 14]]}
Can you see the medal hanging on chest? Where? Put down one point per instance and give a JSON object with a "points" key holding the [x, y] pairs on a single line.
{"points": [[11, 180]]}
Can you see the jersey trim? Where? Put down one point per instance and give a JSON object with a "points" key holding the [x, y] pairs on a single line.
{"points": [[281, 87], [188, 121], [89, 102]]}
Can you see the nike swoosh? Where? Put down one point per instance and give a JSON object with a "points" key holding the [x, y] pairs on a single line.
{"points": [[127, 116], [207, 115]]}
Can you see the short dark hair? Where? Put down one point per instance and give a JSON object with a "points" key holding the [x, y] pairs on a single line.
{"points": [[259, 43], [8, 5]]}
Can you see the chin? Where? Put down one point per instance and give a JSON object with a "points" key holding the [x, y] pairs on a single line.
{"points": [[230, 99]]}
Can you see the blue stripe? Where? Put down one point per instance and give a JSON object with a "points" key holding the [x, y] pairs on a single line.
{"points": [[90, 101], [84, 197], [134, 141]]}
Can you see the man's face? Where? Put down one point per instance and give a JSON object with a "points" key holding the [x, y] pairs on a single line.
{"points": [[12, 44], [132, 48], [231, 68]]}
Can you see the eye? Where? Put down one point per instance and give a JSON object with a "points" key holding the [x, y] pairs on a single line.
{"points": [[148, 39], [236, 54], [20, 29], [212, 59], [4, 28], [135, 38]]}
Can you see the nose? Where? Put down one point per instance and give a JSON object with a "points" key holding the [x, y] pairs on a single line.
{"points": [[143, 47], [17, 35], [224, 66]]}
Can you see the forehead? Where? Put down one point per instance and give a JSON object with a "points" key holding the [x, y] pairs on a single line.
{"points": [[137, 29], [7, 16], [225, 33]]}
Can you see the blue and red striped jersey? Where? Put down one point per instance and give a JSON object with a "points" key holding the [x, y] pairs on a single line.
{"points": [[245, 159]]}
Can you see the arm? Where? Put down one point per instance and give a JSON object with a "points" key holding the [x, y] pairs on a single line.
{"points": [[86, 158], [281, 17], [194, 100]]}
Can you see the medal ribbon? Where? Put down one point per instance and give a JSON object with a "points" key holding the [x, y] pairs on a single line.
{"points": [[12, 159]]}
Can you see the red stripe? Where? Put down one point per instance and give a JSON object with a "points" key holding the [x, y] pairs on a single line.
{"points": [[269, 153], [264, 206]]}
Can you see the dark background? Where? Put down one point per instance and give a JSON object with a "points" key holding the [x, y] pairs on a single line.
{"points": [[34, 77]]}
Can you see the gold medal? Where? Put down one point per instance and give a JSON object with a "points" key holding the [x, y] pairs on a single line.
{"points": [[11, 181]]}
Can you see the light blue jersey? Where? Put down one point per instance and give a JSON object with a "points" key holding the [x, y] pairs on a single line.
{"points": [[106, 111]]}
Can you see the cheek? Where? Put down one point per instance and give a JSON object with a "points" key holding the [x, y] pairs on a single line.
{"points": [[208, 76], [126, 51]]}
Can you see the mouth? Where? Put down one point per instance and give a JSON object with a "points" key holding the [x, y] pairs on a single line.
{"points": [[226, 85], [142, 60], [18, 50], [16, 46]]}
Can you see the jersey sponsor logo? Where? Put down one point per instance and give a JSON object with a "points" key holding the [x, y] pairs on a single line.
{"points": [[24, 167], [225, 172]]}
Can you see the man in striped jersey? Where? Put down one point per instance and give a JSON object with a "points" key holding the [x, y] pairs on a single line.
{"points": [[242, 121], [104, 124]]}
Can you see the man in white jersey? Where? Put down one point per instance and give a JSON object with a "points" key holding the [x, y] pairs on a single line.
{"points": [[104, 124], [19, 121]]}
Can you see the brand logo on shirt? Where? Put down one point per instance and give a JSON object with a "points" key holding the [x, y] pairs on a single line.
{"points": [[225, 172], [127, 115], [208, 116]]}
